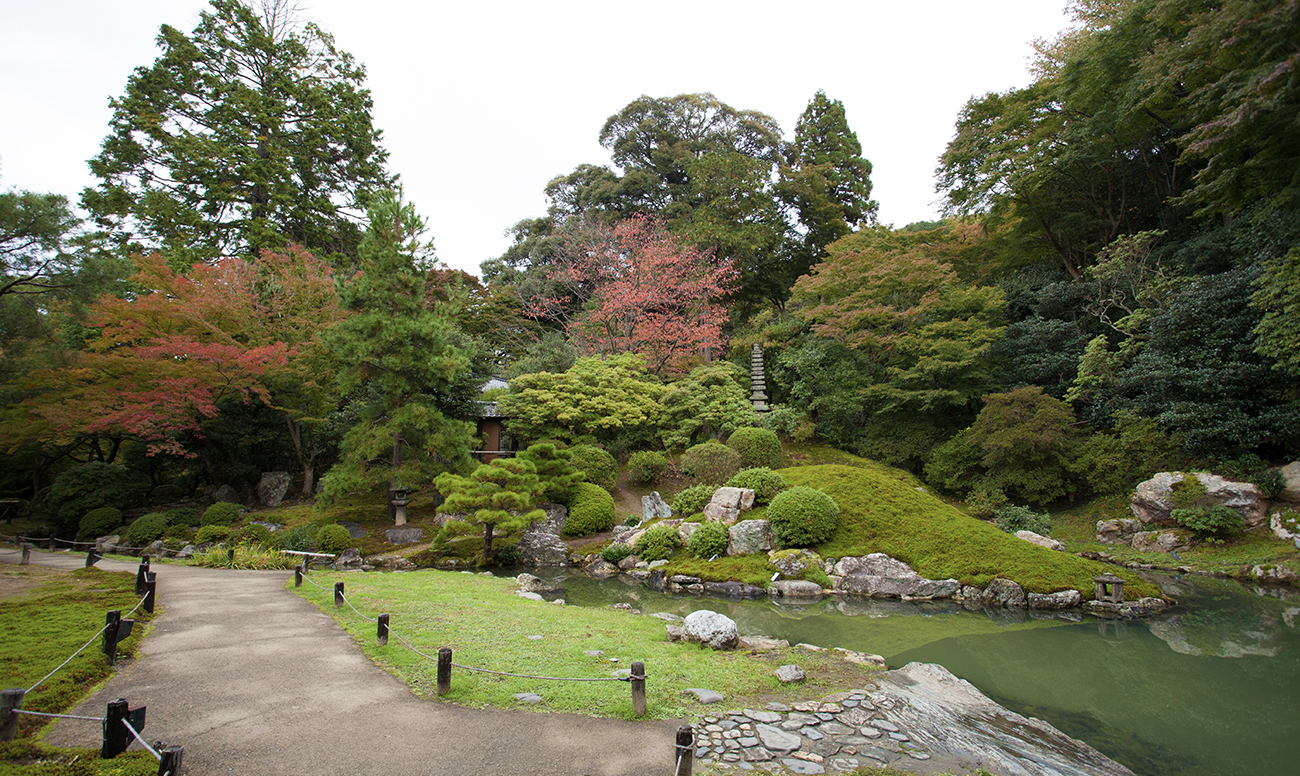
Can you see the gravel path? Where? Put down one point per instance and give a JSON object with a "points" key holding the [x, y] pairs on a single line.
{"points": [[250, 678]]}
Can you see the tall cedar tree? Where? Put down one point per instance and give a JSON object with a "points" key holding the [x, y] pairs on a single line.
{"points": [[251, 132], [412, 374]]}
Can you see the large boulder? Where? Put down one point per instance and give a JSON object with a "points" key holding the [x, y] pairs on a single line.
{"points": [[877, 564], [727, 504], [794, 562], [795, 588], [226, 493], [1153, 500], [654, 506], [1291, 483], [272, 487], [684, 531], [1003, 593], [713, 630], [1285, 528], [1063, 599], [750, 536], [1118, 531], [541, 544]]}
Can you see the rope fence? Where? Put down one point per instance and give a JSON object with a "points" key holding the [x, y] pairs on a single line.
{"points": [[636, 678]]}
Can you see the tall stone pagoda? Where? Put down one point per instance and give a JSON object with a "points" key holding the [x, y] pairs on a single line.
{"points": [[757, 382]]}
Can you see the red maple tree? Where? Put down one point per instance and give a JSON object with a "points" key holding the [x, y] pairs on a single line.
{"points": [[637, 287]]}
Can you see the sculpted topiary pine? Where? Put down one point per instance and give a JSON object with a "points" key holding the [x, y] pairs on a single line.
{"points": [[500, 495]]}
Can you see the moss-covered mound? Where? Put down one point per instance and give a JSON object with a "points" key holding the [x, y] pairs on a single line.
{"points": [[880, 513]]}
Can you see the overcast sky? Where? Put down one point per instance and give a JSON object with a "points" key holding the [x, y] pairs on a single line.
{"points": [[481, 104]]}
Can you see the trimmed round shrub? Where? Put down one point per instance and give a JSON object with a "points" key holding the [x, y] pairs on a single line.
{"points": [[183, 516], [254, 534], [615, 553], [758, 447], [708, 540], [645, 466], [658, 543], [802, 517], [711, 463], [212, 533], [1014, 518], [599, 466], [147, 528], [333, 538], [763, 481], [180, 534], [221, 513], [103, 521], [591, 510], [300, 538], [692, 500]]}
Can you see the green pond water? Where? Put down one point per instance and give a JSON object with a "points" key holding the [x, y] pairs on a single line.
{"points": [[1212, 689]]}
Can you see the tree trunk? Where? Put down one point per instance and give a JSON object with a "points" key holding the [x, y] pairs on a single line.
{"points": [[487, 541]]}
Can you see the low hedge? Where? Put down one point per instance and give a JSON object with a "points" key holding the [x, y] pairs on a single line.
{"points": [[221, 513], [145, 530]]}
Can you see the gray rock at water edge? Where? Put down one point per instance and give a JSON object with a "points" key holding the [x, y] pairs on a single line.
{"points": [[533, 584], [540, 544], [629, 562], [1042, 541], [654, 506], [789, 674], [1118, 531], [713, 630], [861, 658], [894, 587], [403, 535], [877, 564], [793, 563], [762, 643], [795, 588], [529, 595], [703, 695], [272, 487], [733, 589], [749, 537], [1003, 593], [1062, 599], [1153, 499], [349, 557], [1162, 541], [226, 493], [601, 569]]}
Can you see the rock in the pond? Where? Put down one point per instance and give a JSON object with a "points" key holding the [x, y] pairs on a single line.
{"points": [[529, 583], [601, 569], [789, 674], [703, 695], [749, 537], [541, 544], [713, 630], [795, 588], [1063, 599], [877, 564]]}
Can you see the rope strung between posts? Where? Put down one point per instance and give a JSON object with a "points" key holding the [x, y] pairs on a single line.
{"points": [[143, 742], [83, 648], [411, 647], [60, 716], [162, 551]]}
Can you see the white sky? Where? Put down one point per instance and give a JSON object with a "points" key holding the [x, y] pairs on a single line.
{"points": [[481, 104]]}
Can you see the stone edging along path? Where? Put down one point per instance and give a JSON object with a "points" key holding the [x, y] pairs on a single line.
{"points": [[249, 677]]}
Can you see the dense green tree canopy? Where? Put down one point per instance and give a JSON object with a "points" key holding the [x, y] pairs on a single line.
{"points": [[251, 132]]}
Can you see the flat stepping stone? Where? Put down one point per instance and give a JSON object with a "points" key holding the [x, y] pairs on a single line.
{"points": [[705, 696], [774, 706], [917, 755], [747, 741], [836, 729], [885, 725], [776, 739], [763, 716], [899, 737], [802, 766], [812, 734], [757, 754]]}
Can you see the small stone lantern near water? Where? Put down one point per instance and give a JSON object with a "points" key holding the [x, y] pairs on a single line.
{"points": [[1109, 589]]}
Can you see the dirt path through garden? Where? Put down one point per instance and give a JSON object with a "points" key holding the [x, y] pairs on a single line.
{"points": [[250, 678]]}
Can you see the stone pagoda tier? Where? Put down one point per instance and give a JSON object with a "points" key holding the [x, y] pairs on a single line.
{"points": [[757, 382]]}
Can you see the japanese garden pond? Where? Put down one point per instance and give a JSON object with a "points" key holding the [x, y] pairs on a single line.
{"points": [[1210, 689]]}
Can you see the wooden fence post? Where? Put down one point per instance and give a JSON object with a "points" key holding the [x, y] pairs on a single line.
{"points": [[140, 571], [113, 620], [382, 636], [27, 555], [231, 554], [297, 576], [684, 751], [150, 590], [92, 558], [115, 735], [169, 762], [338, 594], [444, 670], [10, 700], [638, 688]]}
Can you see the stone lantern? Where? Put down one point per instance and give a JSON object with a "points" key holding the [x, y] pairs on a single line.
{"points": [[1109, 589], [399, 502]]}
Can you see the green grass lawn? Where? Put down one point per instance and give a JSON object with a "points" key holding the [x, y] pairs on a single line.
{"points": [[487, 626], [49, 614]]}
